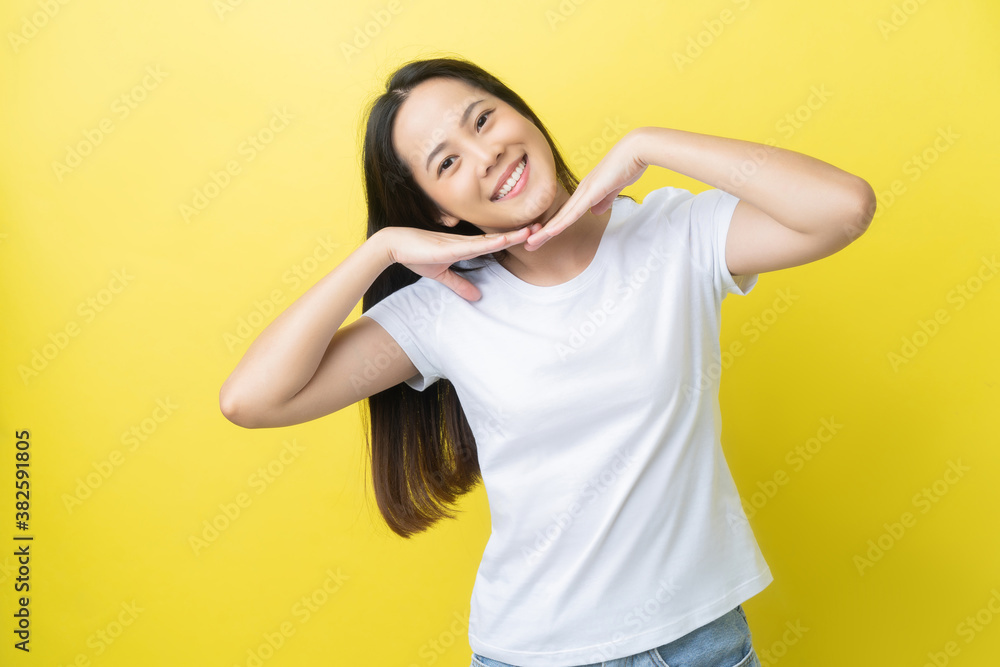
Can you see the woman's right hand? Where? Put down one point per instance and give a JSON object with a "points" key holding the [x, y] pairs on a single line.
{"points": [[430, 254]]}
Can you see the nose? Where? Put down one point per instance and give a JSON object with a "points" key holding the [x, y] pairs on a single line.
{"points": [[488, 156]]}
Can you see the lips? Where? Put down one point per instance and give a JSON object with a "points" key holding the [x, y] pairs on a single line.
{"points": [[506, 175]]}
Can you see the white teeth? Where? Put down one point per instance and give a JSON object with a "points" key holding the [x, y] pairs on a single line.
{"points": [[512, 181]]}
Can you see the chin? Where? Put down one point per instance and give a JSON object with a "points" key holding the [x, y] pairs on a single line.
{"points": [[542, 201]]}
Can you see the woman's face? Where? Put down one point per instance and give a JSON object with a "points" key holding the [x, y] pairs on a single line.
{"points": [[459, 142]]}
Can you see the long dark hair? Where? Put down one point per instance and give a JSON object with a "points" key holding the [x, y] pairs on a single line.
{"points": [[422, 451]]}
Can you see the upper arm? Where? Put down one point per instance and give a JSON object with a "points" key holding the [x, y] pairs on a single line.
{"points": [[757, 243], [362, 359]]}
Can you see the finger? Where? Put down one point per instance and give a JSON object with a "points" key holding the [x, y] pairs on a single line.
{"points": [[530, 229], [603, 205], [511, 238], [519, 235], [475, 246], [536, 246], [460, 286], [570, 213], [551, 227], [552, 223]]}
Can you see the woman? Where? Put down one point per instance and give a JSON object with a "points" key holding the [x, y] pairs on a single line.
{"points": [[572, 339]]}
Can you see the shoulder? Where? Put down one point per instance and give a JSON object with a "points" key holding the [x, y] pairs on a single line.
{"points": [[657, 207], [666, 199], [682, 207], [427, 294]]}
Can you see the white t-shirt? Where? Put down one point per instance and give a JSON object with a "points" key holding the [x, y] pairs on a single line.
{"points": [[616, 523]]}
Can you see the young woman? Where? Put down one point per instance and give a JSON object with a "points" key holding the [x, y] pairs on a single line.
{"points": [[570, 336]]}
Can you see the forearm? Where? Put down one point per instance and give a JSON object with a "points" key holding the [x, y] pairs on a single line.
{"points": [[285, 356], [800, 192]]}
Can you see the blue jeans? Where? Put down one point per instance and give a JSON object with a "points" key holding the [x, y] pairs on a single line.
{"points": [[724, 642]]}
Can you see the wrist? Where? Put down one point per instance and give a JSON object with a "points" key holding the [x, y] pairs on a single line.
{"points": [[639, 138], [379, 247]]}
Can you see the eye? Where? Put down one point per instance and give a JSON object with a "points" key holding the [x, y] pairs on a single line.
{"points": [[485, 114], [478, 126]]}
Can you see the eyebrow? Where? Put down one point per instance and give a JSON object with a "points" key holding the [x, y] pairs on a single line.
{"points": [[440, 146]]}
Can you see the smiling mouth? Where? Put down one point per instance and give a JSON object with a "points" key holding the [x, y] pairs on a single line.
{"points": [[519, 173]]}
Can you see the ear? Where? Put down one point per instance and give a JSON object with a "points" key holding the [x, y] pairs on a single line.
{"points": [[448, 220]]}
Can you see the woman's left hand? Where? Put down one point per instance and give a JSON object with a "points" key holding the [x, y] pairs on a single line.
{"points": [[621, 167]]}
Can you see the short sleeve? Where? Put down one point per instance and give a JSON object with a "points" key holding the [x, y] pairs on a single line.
{"points": [[404, 317], [713, 213]]}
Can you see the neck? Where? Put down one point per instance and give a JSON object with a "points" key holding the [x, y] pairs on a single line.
{"points": [[564, 255]]}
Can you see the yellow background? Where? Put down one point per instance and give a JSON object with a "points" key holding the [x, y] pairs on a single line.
{"points": [[161, 331]]}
